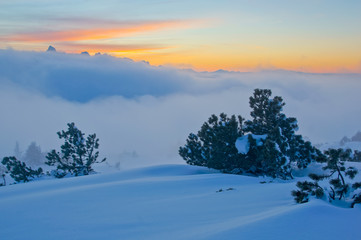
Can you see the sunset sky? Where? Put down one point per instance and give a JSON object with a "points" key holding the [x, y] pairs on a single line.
{"points": [[238, 35]]}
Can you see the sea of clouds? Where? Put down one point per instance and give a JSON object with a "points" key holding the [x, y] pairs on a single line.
{"points": [[143, 113]]}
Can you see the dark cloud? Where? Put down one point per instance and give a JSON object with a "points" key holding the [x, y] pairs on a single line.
{"points": [[82, 78]]}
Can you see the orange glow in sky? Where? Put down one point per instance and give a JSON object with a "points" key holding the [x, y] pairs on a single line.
{"points": [[92, 34], [231, 35]]}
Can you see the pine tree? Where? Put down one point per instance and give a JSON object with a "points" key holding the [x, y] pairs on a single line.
{"points": [[19, 171], [356, 197], [77, 153], [253, 160], [33, 155], [307, 188], [265, 112], [267, 119], [335, 173], [335, 162], [2, 175], [214, 145], [282, 146], [278, 151], [193, 151]]}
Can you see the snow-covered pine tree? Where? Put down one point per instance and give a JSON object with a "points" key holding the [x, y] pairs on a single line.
{"points": [[253, 159], [276, 152], [336, 172], [281, 146], [77, 153], [335, 163]]}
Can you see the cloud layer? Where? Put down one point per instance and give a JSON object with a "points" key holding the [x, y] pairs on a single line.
{"points": [[143, 113]]}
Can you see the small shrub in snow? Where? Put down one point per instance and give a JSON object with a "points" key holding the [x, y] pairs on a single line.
{"points": [[337, 189], [19, 171], [307, 189], [77, 154]]}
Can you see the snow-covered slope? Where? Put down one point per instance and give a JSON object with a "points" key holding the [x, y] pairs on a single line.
{"points": [[168, 202]]}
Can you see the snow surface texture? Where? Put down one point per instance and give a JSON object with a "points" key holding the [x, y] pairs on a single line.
{"points": [[168, 202]]}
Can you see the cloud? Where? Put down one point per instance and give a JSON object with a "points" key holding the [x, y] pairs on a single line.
{"points": [[122, 29], [66, 75], [143, 113], [113, 48]]}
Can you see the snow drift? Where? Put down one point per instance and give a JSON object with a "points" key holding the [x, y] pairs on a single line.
{"points": [[168, 202]]}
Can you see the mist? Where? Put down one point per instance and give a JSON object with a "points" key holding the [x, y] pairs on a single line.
{"points": [[142, 114]]}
